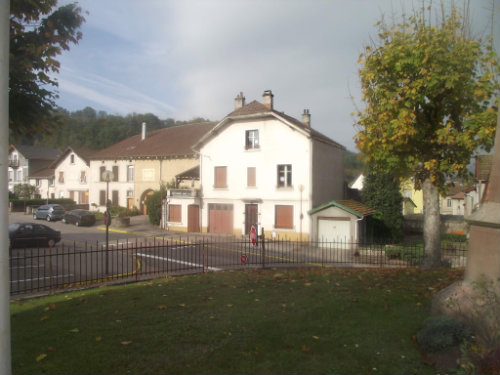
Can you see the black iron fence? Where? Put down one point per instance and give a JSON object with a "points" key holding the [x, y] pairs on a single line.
{"points": [[44, 270]]}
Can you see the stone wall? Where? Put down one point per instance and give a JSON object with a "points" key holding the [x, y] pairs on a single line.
{"points": [[414, 224]]}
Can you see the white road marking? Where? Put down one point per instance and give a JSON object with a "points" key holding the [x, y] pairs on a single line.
{"points": [[176, 261]]}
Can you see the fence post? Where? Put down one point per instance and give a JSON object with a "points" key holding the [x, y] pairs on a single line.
{"points": [[263, 241], [205, 265]]}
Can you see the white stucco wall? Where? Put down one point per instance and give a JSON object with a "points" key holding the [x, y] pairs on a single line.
{"points": [[72, 177], [279, 144]]}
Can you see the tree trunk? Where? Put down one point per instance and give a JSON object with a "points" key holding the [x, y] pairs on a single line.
{"points": [[432, 226]]}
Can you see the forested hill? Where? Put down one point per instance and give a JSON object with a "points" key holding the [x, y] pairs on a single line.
{"points": [[96, 130]]}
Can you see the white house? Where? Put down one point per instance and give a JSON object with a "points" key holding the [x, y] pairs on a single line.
{"points": [[43, 180], [71, 171], [260, 167], [25, 161]]}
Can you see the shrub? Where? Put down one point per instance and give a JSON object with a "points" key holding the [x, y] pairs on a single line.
{"points": [[454, 237], [153, 204], [412, 254], [442, 332], [123, 211]]}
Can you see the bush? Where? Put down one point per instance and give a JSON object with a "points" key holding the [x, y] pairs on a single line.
{"points": [[153, 204], [123, 211], [454, 237], [412, 254], [442, 332]]}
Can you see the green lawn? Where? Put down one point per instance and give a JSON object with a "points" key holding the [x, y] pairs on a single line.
{"points": [[272, 321]]}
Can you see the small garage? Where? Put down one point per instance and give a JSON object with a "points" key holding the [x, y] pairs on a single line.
{"points": [[340, 221]]}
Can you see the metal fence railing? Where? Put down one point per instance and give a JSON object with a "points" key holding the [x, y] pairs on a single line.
{"points": [[43, 270]]}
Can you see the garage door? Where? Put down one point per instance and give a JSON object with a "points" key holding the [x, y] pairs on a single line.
{"points": [[334, 230], [220, 218]]}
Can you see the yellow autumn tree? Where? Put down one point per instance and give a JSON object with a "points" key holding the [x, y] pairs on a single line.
{"points": [[430, 103]]}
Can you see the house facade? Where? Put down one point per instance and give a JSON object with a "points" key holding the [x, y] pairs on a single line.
{"points": [[25, 161], [43, 180], [142, 164], [262, 168], [71, 175]]}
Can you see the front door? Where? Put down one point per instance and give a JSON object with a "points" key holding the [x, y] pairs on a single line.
{"points": [[251, 217], [193, 218]]}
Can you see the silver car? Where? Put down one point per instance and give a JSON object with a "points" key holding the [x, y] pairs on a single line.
{"points": [[49, 212]]}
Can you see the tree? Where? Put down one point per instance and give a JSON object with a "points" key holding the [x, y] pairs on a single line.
{"points": [[381, 191], [25, 191], [38, 33], [429, 92]]}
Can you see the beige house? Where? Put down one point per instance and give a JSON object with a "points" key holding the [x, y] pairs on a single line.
{"points": [[143, 163]]}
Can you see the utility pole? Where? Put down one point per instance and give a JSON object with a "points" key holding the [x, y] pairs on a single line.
{"points": [[5, 356]]}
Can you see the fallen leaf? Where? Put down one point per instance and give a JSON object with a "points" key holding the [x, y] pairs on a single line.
{"points": [[316, 337], [74, 330], [51, 349], [40, 357], [162, 307], [44, 318], [182, 305], [126, 342], [229, 305], [98, 338], [305, 349], [52, 306]]}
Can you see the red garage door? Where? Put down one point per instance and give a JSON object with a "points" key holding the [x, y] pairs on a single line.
{"points": [[220, 218]]}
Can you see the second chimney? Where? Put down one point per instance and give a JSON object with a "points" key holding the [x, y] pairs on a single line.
{"points": [[306, 118], [267, 99], [239, 101], [143, 132]]}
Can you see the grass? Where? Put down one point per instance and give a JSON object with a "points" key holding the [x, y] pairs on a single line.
{"points": [[272, 321]]}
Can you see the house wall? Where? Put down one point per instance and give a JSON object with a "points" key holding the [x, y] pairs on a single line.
{"points": [[18, 175], [45, 187], [72, 182], [408, 191], [279, 144], [327, 173], [123, 186]]}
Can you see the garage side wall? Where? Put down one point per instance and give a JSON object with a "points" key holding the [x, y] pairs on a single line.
{"points": [[337, 218]]}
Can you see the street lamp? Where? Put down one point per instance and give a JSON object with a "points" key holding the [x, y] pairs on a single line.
{"points": [[107, 176]]}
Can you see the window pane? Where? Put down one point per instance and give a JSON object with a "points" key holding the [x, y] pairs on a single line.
{"points": [[252, 139], [115, 173], [284, 175]]}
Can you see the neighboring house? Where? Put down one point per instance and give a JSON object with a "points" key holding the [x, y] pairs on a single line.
{"points": [[358, 183], [71, 171], [262, 168], [415, 196], [341, 221], [25, 161], [44, 182], [143, 163]]}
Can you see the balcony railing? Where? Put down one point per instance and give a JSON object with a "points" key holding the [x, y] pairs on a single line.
{"points": [[183, 193], [14, 163]]}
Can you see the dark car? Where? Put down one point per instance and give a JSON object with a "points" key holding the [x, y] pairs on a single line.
{"points": [[49, 212], [79, 217], [32, 235]]}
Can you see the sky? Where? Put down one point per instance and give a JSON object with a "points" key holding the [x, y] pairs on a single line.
{"points": [[183, 59]]}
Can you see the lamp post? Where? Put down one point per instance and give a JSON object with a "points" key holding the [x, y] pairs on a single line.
{"points": [[107, 176]]}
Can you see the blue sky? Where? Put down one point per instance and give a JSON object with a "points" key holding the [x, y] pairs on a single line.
{"points": [[187, 58]]}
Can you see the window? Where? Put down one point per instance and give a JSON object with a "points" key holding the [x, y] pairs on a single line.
{"points": [[220, 177], [130, 173], [20, 175], [448, 203], [283, 217], [72, 159], [83, 177], [251, 139], [102, 197], [174, 212], [11, 176], [114, 197], [115, 173], [251, 178], [51, 182], [37, 182], [101, 172], [284, 175], [61, 178]]}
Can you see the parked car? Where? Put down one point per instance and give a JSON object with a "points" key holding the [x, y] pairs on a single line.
{"points": [[79, 217], [49, 212], [32, 235]]}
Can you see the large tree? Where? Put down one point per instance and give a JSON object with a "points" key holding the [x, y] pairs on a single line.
{"points": [[39, 32], [429, 91]]}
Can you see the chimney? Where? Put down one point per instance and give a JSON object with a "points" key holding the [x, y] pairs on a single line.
{"points": [[143, 132], [267, 99], [239, 101], [306, 118]]}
